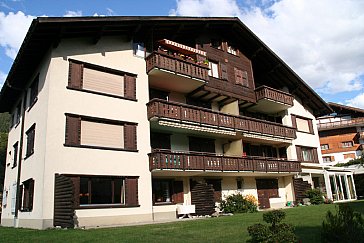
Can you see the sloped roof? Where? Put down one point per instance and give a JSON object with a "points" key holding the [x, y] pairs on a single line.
{"points": [[46, 32], [346, 110]]}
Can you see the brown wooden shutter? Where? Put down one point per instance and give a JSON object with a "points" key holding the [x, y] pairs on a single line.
{"points": [[310, 126], [245, 81], [131, 191], [294, 123], [20, 198], [299, 153], [238, 76], [31, 194], [130, 136], [315, 155], [332, 158], [76, 189], [224, 73], [73, 130], [75, 75], [178, 195], [130, 87]]}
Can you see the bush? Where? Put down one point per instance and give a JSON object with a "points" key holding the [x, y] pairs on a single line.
{"points": [[315, 196], [345, 226], [237, 203], [276, 232]]}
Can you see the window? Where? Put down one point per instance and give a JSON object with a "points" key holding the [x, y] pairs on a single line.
{"points": [[138, 49], [100, 133], [324, 146], [15, 118], [214, 69], [347, 144], [101, 80], [34, 91], [167, 191], [216, 44], [241, 77], [105, 191], [327, 159], [201, 145], [307, 154], [349, 156], [232, 50], [302, 124], [15, 155], [27, 194], [30, 141], [160, 140]]}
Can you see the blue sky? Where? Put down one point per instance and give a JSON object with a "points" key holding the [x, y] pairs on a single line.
{"points": [[322, 42]]}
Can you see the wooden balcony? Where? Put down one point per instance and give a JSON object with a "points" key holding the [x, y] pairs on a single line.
{"points": [[175, 73], [264, 92], [188, 161], [340, 124], [198, 116], [269, 100]]}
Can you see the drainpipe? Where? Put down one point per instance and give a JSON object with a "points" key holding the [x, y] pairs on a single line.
{"points": [[17, 203]]}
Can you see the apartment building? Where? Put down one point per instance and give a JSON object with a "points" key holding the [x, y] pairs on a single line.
{"points": [[132, 119], [342, 138]]}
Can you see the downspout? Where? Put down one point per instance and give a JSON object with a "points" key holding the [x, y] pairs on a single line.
{"points": [[17, 203]]}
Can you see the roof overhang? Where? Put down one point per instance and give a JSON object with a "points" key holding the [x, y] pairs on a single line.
{"points": [[47, 32]]}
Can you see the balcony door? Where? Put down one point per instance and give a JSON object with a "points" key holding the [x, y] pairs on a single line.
{"points": [[201, 145]]}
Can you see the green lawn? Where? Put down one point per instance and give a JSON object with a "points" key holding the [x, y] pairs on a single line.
{"points": [[307, 221]]}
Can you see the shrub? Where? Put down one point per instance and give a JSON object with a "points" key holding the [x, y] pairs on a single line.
{"points": [[315, 196], [276, 232], [237, 203], [345, 226]]}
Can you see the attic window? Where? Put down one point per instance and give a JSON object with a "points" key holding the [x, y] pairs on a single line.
{"points": [[216, 44], [232, 50]]}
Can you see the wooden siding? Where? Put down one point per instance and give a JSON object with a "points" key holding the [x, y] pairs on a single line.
{"points": [[335, 142], [300, 187], [228, 64], [202, 196], [63, 202], [201, 116], [169, 160]]}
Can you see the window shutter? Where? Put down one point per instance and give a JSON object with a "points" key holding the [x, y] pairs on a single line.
{"points": [[131, 191], [130, 87], [315, 155], [130, 137], [310, 126], [332, 158], [299, 153], [73, 130], [224, 74], [20, 198], [31, 195], [238, 76], [75, 75], [178, 195], [76, 190], [294, 124], [245, 81]]}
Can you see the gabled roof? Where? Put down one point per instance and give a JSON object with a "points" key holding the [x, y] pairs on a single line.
{"points": [[346, 110], [46, 32]]}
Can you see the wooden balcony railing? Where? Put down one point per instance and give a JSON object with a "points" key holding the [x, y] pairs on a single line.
{"points": [[201, 116], [168, 160], [177, 65], [341, 123], [264, 92]]}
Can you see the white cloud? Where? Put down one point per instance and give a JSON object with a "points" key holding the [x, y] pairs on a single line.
{"points": [[71, 13], [110, 12], [13, 27], [2, 78], [357, 101], [323, 42]]}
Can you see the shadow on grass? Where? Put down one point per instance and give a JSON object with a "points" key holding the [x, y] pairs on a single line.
{"points": [[308, 234]]}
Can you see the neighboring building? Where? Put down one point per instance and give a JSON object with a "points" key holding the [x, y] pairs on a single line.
{"points": [[342, 138], [121, 119]]}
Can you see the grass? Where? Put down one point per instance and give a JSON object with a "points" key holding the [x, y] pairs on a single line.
{"points": [[307, 221]]}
